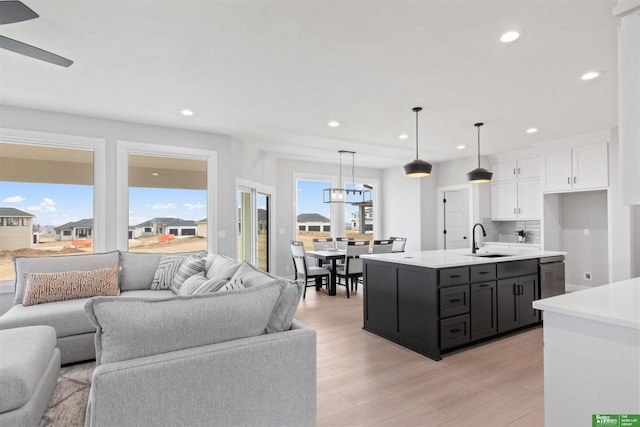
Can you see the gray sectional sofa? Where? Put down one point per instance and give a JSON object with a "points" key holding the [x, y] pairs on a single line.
{"points": [[225, 358]]}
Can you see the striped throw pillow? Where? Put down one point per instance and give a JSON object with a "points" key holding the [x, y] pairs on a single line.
{"points": [[165, 271], [190, 266]]}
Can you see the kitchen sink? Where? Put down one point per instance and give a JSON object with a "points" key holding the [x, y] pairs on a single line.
{"points": [[490, 255]]}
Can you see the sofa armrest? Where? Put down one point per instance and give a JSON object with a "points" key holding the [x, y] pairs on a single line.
{"points": [[263, 380]]}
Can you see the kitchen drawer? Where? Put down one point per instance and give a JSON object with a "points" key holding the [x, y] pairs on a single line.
{"points": [[454, 300], [517, 268], [482, 273], [454, 331], [454, 276]]}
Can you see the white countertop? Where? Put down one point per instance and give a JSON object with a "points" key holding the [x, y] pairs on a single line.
{"points": [[617, 303], [456, 257]]}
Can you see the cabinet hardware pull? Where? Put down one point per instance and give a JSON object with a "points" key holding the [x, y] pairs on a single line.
{"points": [[519, 210], [484, 272], [455, 300], [484, 285], [574, 179], [514, 210], [454, 276], [454, 330], [568, 180], [518, 171], [514, 171]]}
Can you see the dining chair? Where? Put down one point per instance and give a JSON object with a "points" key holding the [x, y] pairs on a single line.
{"points": [[382, 247], [398, 243], [320, 244], [303, 271], [341, 242], [352, 267]]}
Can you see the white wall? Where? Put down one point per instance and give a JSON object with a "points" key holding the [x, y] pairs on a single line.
{"points": [[402, 206]]}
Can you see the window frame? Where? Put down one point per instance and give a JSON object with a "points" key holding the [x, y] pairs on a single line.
{"points": [[125, 148]]}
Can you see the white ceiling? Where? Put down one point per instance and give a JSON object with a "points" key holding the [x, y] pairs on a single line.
{"points": [[272, 73]]}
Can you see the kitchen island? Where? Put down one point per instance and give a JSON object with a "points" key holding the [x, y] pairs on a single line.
{"points": [[433, 302], [591, 353]]}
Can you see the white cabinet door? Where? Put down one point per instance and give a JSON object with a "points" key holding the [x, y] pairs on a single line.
{"points": [[503, 171], [590, 166], [528, 168], [504, 200], [557, 170], [529, 201]]}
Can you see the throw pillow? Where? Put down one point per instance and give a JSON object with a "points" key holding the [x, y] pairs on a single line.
{"points": [[128, 328], [233, 285], [192, 283], [222, 266], [165, 271], [190, 266], [49, 287], [211, 286]]}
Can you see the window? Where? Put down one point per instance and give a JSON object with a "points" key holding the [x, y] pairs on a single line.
{"points": [[66, 232], [359, 216], [313, 217], [254, 230], [52, 180], [166, 194], [1, 222]]}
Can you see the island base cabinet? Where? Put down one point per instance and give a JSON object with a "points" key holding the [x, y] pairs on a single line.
{"points": [[515, 299], [379, 315], [484, 322]]}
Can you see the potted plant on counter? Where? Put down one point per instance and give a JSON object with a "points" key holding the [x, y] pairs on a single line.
{"points": [[521, 235]]}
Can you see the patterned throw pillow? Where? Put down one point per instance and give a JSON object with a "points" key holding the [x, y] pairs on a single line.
{"points": [[232, 286], [165, 271], [49, 287], [211, 286], [190, 266]]}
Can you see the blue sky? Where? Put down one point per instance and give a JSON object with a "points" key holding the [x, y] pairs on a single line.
{"points": [[57, 204]]}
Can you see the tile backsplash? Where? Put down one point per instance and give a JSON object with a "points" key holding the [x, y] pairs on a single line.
{"points": [[505, 231]]}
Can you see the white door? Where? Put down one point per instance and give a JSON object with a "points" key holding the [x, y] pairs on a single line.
{"points": [[557, 170], [504, 200], [456, 219]]}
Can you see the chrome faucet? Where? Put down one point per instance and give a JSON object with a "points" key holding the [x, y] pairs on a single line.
{"points": [[474, 245]]}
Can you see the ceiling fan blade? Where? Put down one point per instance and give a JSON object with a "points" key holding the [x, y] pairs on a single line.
{"points": [[15, 11], [33, 52]]}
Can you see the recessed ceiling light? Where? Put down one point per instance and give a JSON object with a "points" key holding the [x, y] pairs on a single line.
{"points": [[461, 147], [403, 136], [155, 173], [532, 130], [186, 112], [333, 124], [509, 36], [590, 75]]}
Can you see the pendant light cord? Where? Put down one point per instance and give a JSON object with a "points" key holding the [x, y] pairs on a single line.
{"points": [[478, 146], [417, 111]]}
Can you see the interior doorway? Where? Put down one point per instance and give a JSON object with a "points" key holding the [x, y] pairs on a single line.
{"points": [[453, 217]]}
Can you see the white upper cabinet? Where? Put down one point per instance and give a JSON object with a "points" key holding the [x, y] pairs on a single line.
{"points": [[578, 168], [516, 169], [515, 199]]}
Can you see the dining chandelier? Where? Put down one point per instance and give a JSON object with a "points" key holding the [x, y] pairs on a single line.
{"points": [[347, 195]]}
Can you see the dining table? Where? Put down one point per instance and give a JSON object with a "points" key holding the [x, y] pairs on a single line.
{"points": [[331, 255]]}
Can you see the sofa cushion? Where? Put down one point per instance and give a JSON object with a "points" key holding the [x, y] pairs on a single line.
{"points": [[25, 354], [50, 287], [137, 270], [287, 305], [192, 265], [148, 293], [67, 317], [222, 267], [128, 328], [192, 283], [57, 264]]}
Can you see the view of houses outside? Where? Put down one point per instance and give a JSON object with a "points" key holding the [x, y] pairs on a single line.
{"points": [[314, 216]]}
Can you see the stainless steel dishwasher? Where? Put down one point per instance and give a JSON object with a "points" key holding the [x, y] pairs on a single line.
{"points": [[551, 276]]}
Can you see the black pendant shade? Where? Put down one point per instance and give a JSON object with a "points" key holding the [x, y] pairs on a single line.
{"points": [[417, 168], [479, 175]]}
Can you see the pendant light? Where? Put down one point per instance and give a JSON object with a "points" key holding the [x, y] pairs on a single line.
{"points": [[417, 168], [343, 194], [479, 175]]}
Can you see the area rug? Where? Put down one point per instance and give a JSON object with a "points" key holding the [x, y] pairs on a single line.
{"points": [[68, 404]]}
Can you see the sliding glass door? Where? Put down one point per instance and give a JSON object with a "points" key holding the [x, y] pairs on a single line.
{"points": [[254, 226]]}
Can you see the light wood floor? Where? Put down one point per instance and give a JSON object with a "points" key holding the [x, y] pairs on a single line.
{"points": [[365, 380]]}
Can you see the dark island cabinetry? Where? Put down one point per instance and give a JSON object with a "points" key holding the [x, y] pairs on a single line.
{"points": [[432, 310]]}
